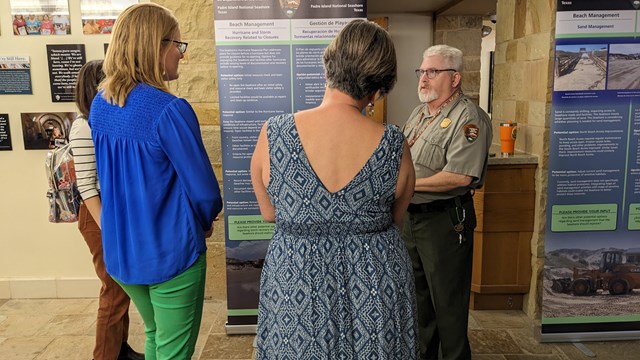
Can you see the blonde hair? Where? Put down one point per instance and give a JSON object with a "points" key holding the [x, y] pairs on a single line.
{"points": [[133, 54]]}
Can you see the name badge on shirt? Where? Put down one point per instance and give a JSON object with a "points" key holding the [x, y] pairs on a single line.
{"points": [[445, 123]]}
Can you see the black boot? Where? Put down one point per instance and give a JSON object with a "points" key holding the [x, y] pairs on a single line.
{"points": [[127, 353]]}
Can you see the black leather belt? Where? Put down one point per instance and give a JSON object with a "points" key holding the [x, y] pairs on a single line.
{"points": [[438, 205]]}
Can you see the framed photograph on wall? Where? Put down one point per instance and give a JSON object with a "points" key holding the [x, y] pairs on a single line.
{"points": [[40, 17], [41, 130], [98, 16]]}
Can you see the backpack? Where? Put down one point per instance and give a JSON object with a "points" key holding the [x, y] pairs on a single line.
{"points": [[64, 198]]}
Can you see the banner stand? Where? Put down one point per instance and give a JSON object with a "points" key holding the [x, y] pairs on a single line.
{"points": [[240, 329], [591, 279], [585, 336]]}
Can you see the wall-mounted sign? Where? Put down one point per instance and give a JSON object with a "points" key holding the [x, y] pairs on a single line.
{"points": [[15, 75], [64, 63], [5, 132]]}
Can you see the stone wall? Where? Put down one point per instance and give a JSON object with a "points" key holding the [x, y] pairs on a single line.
{"points": [[523, 80], [198, 84], [464, 33]]}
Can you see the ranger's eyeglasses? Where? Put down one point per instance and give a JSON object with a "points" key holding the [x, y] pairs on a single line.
{"points": [[431, 73]]}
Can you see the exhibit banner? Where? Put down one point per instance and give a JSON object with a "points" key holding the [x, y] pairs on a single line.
{"points": [[269, 57], [591, 286]]}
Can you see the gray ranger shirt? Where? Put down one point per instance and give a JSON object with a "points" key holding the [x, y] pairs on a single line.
{"points": [[457, 141]]}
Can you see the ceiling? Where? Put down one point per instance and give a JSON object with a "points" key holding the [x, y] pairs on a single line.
{"points": [[440, 7]]}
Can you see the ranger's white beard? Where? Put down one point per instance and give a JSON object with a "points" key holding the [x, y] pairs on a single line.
{"points": [[429, 96]]}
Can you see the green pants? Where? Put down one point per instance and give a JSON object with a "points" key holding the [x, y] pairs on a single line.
{"points": [[442, 270], [171, 312]]}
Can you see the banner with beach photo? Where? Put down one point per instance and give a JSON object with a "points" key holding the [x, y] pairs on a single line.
{"points": [[591, 287], [269, 57]]}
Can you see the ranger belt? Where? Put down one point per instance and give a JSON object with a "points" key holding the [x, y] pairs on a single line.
{"points": [[439, 205]]}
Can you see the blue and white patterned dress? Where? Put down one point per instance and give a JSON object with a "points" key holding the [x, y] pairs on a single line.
{"points": [[337, 282]]}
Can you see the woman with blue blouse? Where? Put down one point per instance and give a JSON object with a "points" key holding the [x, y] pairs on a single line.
{"points": [[158, 190], [33, 25]]}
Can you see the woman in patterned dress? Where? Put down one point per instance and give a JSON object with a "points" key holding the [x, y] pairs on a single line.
{"points": [[337, 281]]}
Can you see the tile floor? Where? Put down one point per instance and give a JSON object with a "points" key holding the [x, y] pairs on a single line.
{"points": [[47, 329]]}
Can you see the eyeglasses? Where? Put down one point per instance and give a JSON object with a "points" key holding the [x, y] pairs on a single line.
{"points": [[431, 73], [182, 46]]}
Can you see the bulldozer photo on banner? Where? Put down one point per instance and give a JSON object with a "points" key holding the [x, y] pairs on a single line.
{"points": [[609, 278]]}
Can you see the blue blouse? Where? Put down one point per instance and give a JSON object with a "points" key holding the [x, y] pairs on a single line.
{"points": [[159, 193]]}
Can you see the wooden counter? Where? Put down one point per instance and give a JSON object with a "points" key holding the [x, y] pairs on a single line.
{"points": [[505, 208]]}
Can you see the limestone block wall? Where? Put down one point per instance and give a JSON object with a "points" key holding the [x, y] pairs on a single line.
{"points": [[464, 33], [523, 80], [199, 85]]}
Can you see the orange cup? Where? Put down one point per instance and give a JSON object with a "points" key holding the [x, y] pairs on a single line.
{"points": [[508, 132]]}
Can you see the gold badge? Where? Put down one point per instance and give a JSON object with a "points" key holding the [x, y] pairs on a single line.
{"points": [[445, 123]]}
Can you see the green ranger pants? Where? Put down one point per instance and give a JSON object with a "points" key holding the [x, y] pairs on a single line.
{"points": [[442, 270]]}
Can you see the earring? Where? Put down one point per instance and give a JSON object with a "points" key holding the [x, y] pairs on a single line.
{"points": [[370, 109]]}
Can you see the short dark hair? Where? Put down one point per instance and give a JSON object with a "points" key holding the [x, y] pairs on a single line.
{"points": [[361, 60], [89, 77]]}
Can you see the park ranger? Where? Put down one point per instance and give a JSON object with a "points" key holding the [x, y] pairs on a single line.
{"points": [[449, 136]]}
